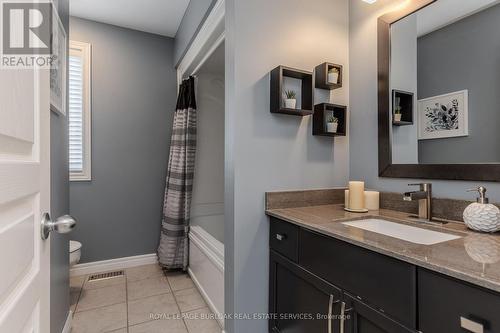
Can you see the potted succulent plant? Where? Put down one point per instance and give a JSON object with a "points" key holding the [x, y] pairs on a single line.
{"points": [[397, 114], [332, 124], [290, 99], [333, 75]]}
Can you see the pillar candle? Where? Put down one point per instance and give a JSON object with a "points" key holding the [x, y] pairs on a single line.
{"points": [[346, 198], [372, 200], [356, 195]]}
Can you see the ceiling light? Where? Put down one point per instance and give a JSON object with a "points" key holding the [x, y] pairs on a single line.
{"points": [[370, 1]]}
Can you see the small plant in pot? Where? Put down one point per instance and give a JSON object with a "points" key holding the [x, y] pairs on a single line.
{"points": [[397, 114], [333, 75], [332, 124], [290, 99]]}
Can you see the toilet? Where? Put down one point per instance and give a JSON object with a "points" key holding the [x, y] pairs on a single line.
{"points": [[75, 252]]}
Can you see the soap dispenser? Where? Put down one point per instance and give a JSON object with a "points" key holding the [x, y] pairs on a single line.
{"points": [[481, 215]]}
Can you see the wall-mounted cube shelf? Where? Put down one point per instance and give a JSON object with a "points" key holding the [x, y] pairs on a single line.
{"points": [[325, 110], [278, 86], [323, 81], [405, 101]]}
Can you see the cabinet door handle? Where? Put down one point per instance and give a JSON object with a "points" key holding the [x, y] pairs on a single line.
{"points": [[471, 326], [330, 314], [343, 312], [280, 237], [342, 317]]}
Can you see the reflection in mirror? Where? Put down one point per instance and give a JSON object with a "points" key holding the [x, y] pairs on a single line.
{"points": [[445, 59]]}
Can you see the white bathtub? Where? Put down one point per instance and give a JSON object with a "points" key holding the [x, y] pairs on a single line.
{"points": [[206, 268]]}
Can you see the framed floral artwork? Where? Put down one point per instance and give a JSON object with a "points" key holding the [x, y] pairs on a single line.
{"points": [[443, 116]]}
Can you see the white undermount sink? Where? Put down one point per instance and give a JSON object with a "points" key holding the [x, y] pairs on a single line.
{"points": [[402, 231]]}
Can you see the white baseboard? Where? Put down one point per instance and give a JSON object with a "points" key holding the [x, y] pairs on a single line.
{"points": [[113, 264], [67, 324]]}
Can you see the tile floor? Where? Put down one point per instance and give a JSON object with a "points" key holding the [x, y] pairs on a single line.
{"points": [[143, 301]]}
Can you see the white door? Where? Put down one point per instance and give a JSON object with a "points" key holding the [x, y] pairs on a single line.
{"points": [[24, 197]]}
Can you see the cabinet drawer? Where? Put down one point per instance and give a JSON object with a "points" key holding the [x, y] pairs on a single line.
{"points": [[283, 238], [387, 284], [450, 300]]}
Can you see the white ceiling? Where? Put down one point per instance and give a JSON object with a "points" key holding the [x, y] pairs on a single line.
{"points": [[445, 12], [160, 17]]}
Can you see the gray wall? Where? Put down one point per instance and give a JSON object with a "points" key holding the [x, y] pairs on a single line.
{"points": [[59, 205], [265, 151], [464, 55], [133, 102], [194, 16], [363, 107]]}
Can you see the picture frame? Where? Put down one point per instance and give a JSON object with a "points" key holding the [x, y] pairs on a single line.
{"points": [[58, 70], [444, 116]]}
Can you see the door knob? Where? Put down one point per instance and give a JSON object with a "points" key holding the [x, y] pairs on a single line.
{"points": [[61, 225]]}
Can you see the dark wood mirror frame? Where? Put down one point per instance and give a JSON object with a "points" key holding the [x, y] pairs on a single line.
{"points": [[478, 172]]}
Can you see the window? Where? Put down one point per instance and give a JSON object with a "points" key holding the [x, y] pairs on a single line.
{"points": [[79, 115]]}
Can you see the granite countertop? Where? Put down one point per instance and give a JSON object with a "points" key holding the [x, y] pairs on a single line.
{"points": [[474, 257]]}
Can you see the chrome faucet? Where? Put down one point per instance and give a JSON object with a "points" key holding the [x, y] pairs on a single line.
{"points": [[424, 197]]}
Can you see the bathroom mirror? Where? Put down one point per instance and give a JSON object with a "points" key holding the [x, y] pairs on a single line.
{"points": [[439, 90]]}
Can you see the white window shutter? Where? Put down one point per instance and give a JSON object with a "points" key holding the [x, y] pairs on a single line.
{"points": [[75, 114], [79, 114]]}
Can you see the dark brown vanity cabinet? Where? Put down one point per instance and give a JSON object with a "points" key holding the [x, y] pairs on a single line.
{"points": [[314, 274], [312, 278], [452, 306], [300, 301]]}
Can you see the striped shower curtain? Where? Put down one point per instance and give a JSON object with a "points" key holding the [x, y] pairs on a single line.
{"points": [[173, 249]]}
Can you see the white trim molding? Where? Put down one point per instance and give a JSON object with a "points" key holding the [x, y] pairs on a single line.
{"points": [[113, 264], [208, 38]]}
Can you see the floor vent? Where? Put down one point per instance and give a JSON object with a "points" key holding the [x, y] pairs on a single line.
{"points": [[104, 276]]}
